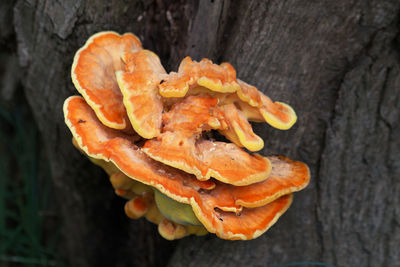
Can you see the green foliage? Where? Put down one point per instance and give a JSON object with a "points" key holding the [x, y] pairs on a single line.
{"points": [[24, 194]]}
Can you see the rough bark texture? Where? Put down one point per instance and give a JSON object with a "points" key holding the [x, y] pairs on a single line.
{"points": [[337, 63]]}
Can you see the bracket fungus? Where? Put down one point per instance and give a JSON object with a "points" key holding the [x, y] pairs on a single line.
{"points": [[151, 132]]}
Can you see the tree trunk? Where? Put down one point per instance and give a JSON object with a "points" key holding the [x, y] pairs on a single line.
{"points": [[336, 63]]}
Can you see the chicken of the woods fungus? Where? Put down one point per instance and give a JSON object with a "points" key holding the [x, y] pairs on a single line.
{"points": [[154, 133]]}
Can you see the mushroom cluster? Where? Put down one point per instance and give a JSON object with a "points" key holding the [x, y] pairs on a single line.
{"points": [[154, 134]]}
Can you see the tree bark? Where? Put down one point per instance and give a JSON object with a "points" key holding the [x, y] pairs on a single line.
{"points": [[336, 63]]}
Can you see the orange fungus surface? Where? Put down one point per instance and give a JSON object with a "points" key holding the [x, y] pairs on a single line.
{"points": [[180, 146]]}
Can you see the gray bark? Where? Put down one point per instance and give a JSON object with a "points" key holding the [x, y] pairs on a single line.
{"points": [[336, 63]]}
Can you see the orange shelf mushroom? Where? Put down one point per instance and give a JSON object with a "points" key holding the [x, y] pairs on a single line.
{"points": [[138, 84], [192, 74], [149, 130], [93, 74]]}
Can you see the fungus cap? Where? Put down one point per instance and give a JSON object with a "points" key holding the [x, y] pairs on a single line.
{"points": [[240, 130], [93, 74], [204, 73], [277, 114], [138, 85]]}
